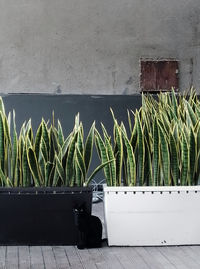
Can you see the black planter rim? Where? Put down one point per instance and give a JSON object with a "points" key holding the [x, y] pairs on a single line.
{"points": [[45, 190]]}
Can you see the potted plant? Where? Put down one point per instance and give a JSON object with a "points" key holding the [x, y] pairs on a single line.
{"points": [[152, 193], [43, 178]]}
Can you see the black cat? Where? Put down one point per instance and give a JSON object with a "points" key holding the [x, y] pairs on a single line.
{"points": [[89, 229]]}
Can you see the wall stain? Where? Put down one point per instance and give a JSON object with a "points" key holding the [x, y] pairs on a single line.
{"points": [[58, 89], [130, 81], [126, 91], [191, 72], [194, 21], [114, 79]]}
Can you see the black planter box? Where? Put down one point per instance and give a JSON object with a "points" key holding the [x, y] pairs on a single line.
{"points": [[41, 216]]}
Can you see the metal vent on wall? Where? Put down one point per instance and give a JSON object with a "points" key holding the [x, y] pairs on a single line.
{"points": [[159, 75]]}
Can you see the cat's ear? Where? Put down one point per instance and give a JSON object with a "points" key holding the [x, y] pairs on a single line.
{"points": [[82, 207], [75, 207], [79, 208]]}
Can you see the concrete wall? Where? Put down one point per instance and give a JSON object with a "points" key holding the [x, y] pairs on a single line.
{"points": [[94, 46]]}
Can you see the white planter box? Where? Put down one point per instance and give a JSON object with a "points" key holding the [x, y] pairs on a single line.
{"points": [[152, 216]]}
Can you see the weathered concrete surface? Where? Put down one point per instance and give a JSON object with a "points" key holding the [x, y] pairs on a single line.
{"points": [[94, 46]]}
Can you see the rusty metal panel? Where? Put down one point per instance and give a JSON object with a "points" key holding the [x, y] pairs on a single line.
{"points": [[159, 75], [148, 76], [166, 75]]}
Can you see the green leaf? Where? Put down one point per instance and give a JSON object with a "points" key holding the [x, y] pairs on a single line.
{"points": [[60, 169], [174, 103], [133, 139], [112, 164], [131, 160], [89, 147], [79, 141], [25, 169], [45, 135], [192, 156], [2, 144], [43, 149], [66, 144], [191, 113], [69, 161], [79, 175], [33, 165], [129, 120], [30, 135], [156, 155], [141, 151], [22, 132], [197, 110], [48, 170], [7, 132], [53, 145], [14, 153], [118, 153], [80, 161], [103, 154], [77, 123], [54, 141], [184, 160], [165, 158], [5, 180], [174, 160], [41, 166], [38, 140], [2, 109], [54, 175], [96, 171], [60, 134], [148, 165]]}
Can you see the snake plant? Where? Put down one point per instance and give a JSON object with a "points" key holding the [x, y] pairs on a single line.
{"points": [[119, 153], [163, 147], [160, 148], [58, 161], [46, 159]]}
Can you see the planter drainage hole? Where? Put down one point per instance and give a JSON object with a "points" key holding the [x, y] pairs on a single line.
{"points": [[152, 192], [170, 192], [143, 192], [134, 192], [178, 192], [116, 192], [161, 192], [195, 191], [125, 192], [187, 191]]}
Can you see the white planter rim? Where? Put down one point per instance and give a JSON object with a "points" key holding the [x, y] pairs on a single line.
{"points": [[151, 188]]}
